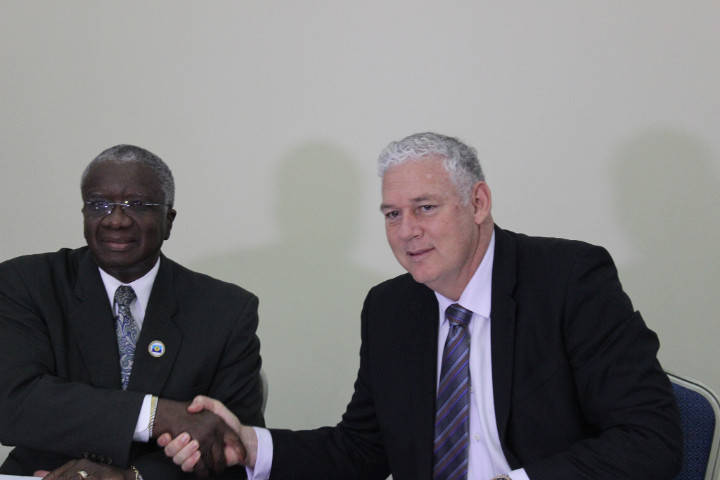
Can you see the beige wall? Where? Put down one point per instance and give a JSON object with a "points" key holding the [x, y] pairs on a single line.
{"points": [[594, 120]]}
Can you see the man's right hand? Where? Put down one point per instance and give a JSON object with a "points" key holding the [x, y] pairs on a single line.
{"points": [[185, 448], [211, 433]]}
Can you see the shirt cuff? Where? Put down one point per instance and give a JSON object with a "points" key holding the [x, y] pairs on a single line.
{"points": [[263, 460], [142, 428], [518, 474]]}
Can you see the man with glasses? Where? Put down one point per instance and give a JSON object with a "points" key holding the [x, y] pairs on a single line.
{"points": [[103, 347]]}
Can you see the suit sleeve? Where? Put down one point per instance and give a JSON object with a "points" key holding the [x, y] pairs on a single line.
{"points": [[33, 394], [236, 380], [351, 450], [622, 391]]}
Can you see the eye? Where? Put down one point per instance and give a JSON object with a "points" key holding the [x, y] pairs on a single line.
{"points": [[97, 206], [427, 208], [391, 214], [137, 205]]}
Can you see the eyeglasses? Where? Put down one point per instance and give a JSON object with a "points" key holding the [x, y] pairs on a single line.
{"points": [[102, 208]]}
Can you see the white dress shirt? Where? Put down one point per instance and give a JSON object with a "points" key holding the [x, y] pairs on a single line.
{"points": [[486, 458], [142, 287]]}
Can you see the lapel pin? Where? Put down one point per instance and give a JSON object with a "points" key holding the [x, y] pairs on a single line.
{"points": [[156, 348]]}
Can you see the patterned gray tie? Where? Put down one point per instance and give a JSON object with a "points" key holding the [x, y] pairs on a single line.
{"points": [[453, 399], [126, 330]]}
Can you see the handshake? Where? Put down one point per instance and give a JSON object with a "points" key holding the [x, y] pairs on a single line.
{"points": [[231, 444], [202, 437]]}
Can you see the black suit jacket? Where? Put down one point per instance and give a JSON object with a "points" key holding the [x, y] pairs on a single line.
{"points": [[578, 390], [60, 392]]}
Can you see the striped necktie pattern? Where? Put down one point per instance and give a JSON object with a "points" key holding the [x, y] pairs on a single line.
{"points": [[453, 399]]}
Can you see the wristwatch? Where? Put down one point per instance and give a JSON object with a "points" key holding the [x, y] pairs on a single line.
{"points": [[501, 477]]}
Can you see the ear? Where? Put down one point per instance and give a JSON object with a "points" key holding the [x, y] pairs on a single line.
{"points": [[481, 201], [169, 217]]}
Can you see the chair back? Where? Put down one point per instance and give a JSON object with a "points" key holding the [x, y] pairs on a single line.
{"points": [[700, 418], [264, 385]]}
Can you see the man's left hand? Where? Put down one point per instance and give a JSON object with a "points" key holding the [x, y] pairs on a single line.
{"points": [[86, 470]]}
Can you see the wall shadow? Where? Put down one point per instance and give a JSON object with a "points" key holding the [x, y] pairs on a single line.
{"points": [[668, 202], [310, 289]]}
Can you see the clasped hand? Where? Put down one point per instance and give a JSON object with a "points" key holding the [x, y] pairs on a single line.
{"points": [[186, 448], [203, 436], [218, 444]]}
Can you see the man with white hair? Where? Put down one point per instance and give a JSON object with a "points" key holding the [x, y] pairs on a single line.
{"points": [[498, 355]]}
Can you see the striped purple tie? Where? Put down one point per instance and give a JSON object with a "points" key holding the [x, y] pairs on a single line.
{"points": [[453, 399]]}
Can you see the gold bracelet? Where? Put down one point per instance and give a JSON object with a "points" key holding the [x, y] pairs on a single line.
{"points": [[137, 472], [153, 409]]}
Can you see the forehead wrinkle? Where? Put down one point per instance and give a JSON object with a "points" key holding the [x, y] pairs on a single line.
{"points": [[416, 200], [423, 198]]}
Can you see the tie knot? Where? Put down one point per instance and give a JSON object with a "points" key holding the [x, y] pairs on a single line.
{"points": [[458, 315], [124, 295]]}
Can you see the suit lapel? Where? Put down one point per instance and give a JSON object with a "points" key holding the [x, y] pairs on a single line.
{"points": [[150, 372], [502, 330], [424, 324], [94, 326]]}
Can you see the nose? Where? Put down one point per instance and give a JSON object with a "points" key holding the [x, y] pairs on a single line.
{"points": [[409, 227]]}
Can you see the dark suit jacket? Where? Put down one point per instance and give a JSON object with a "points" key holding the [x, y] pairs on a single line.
{"points": [[579, 393], [60, 393]]}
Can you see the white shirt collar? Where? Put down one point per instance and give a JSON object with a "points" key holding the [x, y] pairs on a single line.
{"points": [[477, 295], [142, 286]]}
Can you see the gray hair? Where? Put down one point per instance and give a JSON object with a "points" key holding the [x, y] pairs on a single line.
{"points": [[459, 160], [133, 154]]}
